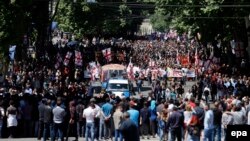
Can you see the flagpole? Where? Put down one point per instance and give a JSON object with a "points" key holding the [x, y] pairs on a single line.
{"points": [[198, 37]]}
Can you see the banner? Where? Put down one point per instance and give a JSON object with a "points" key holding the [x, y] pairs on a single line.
{"points": [[174, 73], [190, 73], [239, 50]]}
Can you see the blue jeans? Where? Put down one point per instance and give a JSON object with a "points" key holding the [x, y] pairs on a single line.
{"points": [[58, 129], [90, 128], [161, 134], [217, 133], [101, 128], [208, 134], [1, 125], [118, 134], [48, 128], [193, 138]]}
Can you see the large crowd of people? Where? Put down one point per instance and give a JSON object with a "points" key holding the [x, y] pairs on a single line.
{"points": [[37, 100]]}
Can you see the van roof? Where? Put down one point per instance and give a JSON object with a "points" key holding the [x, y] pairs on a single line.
{"points": [[121, 81]]}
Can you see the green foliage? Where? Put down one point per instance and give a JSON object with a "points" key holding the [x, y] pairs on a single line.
{"points": [[93, 18]]}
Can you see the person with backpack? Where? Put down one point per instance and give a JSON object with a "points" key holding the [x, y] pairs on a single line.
{"points": [[193, 128]]}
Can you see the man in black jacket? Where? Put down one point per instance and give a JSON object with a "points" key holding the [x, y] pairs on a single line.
{"points": [[129, 129], [174, 124]]}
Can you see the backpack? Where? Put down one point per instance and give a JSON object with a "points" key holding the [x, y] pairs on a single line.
{"points": [[201, 114]]}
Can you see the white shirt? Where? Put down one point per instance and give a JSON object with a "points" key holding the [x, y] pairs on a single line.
{"points": [[188, 95], [187, 116], [248, 118], [209, 120], [89, 113]]}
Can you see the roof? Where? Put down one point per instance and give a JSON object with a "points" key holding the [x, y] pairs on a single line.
{"points": [[113, 67], [120, 81]]}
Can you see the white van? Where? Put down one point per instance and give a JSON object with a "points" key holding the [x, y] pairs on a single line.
{"points": [[119, 87]]}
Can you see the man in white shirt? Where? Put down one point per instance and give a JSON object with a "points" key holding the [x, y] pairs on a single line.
{"points": [[58, 118], [89, 114], [208, 123]]}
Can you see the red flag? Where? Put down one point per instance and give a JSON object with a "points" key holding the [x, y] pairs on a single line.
{"points": [[67, 58], [107, 54], [78, 58], [196, 58], [177, 57]]}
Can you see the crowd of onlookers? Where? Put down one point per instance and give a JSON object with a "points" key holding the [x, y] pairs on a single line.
{"points": [[37, 100]]}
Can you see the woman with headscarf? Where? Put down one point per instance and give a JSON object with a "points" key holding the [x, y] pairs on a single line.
{"points": [[153, 117]]}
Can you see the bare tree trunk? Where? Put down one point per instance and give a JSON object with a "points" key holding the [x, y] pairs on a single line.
{"points": [[247, 21]]}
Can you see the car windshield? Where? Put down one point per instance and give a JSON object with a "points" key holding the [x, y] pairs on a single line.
{"points": [[118, 86]]}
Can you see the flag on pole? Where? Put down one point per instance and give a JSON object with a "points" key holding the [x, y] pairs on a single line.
{"points": [[78, 58], [12, 50], [177, 57], [67, 58], [107, 54], [196, 58], [59, 60]]}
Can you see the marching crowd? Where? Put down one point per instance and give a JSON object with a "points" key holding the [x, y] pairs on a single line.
{"points": [[47, 103]]}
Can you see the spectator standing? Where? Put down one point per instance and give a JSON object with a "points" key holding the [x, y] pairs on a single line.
{"points": [[133, 113], [2, 114], [217, 121], [174, 124], [48, 127], [208, 124], [129, 129], [153, 117], [11, 119], [80, 123], [187, 117], [107, 110], [72, 125], [193, 128], [144, 120], [41, 118], [226, 120], [58, 119], [118, 119], [89, 114]]}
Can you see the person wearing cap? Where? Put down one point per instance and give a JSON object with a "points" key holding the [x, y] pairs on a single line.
{"points": [[129, 129], [134, 114]]}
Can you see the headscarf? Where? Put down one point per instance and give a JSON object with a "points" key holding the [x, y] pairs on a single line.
{"points": [[153, 105]]}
